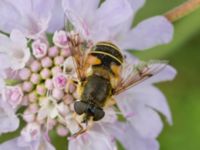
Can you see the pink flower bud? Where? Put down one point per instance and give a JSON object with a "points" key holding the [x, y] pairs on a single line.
{"points": [[35, 78], [58, 94], [39, 49], [25, 100], [60, 81], [27, 86], [33, 108], [13, 95], [24, 73], [62, 131], [41, 90], [53, 52], [45, 73], [32, 96], [35, 66], [65, 52], [55, 70], [60, 39], [51, 123], [49, 84], [58, 60], [28, 116], [47, 62]]}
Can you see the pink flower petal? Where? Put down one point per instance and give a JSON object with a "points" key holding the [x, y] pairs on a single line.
{"points": [[142, 102], [115, 15], [149, 33], [92, 139], [9, 121], [129, 137]]}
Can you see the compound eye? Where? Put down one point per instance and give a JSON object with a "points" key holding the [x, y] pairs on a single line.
{"points": [[98, 114], [80, 107]]}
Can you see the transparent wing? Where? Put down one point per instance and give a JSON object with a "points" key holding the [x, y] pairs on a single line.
{"points": [[134, 74]]}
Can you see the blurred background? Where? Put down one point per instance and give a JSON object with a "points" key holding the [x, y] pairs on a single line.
{"points": [[183, 93]]}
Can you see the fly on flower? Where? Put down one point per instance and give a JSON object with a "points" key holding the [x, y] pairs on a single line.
{"points": [[102, 74]]}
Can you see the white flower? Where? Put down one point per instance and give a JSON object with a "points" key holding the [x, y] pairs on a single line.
{"points": [[14, 49]]}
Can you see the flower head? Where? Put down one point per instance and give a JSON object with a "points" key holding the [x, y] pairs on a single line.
{"points": [[45, 78]]}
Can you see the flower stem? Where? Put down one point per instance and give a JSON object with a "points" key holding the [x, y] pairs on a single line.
{"points": [[182, 10]]}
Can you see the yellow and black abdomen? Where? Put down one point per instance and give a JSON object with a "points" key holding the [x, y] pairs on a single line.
{"points": [[108, 54]]}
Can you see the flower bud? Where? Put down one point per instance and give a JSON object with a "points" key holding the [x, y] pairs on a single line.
{"points": [[49, 84], [60, 81], [60, 39], [24, 73], [65, 52], [35, 66], [46, 62], [13, 95], [55, 70], [28, 117], [39, 49], [53, 52], [45, 73], [41, 90], [32, 96], [58, 60], [27, 86], [62, 131], [58, 94], [35, 78]]}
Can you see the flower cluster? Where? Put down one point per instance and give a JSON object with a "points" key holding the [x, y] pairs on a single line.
{"points": [[37, 73]]}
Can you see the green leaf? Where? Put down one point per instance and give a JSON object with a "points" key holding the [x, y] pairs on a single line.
{"points": [[12, 82]]}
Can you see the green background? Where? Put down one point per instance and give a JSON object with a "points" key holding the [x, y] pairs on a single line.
{"points": [[183, 93]]}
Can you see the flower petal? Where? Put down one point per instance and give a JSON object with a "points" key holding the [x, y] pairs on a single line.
{"points": [[4, 59], [9, 15], [112, 13], [33, 16], [129, 137], [149, 33], [139, 105], [82, 8], [57, 17], [17, 37], [17, 144], [9, 121], [92, 139], [12, 145], [136, 4]]}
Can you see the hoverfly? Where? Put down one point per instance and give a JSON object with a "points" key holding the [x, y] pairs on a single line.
{"points": [[102, 74]]}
